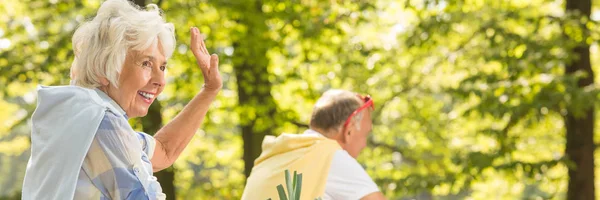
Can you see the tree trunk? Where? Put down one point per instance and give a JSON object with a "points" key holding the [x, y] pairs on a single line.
{"points": [[580, 129], [254, 88]]}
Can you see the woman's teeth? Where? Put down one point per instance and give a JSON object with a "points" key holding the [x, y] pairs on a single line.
{"points": [[146, 95]]}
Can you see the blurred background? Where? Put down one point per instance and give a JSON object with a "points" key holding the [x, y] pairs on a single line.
{"points": [[475, 99]]}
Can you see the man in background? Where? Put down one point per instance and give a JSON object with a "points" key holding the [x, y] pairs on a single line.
{"points": [[325, 154]]}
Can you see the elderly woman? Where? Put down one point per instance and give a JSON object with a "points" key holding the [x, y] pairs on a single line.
{"points": [[82, 144]]}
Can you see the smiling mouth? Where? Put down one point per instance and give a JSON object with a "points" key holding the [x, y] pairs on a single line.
{"points": [[146, 96]]}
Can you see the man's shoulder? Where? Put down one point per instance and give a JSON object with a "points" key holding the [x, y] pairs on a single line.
{"points": [[341, 159], [347, 179]]}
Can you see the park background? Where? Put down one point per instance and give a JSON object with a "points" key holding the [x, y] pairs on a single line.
{"points": [[474, 99]]}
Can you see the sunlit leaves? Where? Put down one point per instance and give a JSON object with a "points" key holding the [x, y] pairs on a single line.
{"points": [[509, 57], [469, 94]]}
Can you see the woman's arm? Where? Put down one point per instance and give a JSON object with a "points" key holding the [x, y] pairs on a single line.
{"points": [[174, 137]]}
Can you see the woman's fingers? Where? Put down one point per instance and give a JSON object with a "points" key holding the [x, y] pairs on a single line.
{"points": [[198, 45], [198, 41], [195, 45], [203, 46], [209, 64]]}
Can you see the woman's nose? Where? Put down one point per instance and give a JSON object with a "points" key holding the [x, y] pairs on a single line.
{"points": [[158, 78]]}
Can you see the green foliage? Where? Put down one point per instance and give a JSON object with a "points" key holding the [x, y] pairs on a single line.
{"points": [[470, 95], [294, 187]]}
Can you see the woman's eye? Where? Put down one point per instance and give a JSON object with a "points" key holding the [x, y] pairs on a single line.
{"points": [[146, 64], [162, 68]]}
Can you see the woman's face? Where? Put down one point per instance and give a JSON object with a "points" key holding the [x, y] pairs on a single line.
{"points": [[141, 80]]}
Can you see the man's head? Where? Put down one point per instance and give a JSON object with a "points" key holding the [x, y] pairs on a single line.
{"points": [[343, 116]]}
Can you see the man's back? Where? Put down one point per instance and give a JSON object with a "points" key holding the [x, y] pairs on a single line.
{"points": [[309, 155], [328, 171]]}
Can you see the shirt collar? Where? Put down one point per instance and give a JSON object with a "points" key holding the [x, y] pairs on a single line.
{"points": [[312, 132], [112, 102]]}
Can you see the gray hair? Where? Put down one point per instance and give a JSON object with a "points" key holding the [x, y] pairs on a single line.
{"points": [[333, 108], [101, 44]]}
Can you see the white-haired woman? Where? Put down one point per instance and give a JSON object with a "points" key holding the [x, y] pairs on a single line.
{"points": [[82, 146]]}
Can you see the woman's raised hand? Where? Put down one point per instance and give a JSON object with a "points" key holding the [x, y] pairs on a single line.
{"points": [[209, 64]]}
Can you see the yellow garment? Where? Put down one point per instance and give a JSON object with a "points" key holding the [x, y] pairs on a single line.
{"points": [[309, 155]]}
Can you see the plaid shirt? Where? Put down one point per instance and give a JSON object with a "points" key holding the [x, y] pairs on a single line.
{"points": [[117, 165]]}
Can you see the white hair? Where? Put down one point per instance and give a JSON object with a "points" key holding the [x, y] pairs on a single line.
{"points": [[101, 44], [333, 108], [357, 118]]}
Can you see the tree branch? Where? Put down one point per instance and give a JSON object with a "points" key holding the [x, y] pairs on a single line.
{"points": [[299, 124], [403, 152]]}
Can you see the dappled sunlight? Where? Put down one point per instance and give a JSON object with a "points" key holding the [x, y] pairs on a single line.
{"points": [[472, 99]]}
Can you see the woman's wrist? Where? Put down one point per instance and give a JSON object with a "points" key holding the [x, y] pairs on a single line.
{"points": [[210, 90]]}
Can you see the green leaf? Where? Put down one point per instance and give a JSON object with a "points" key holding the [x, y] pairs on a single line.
{"points": [[298, 185], [293, 191], [281, 192], [288, 184]]}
